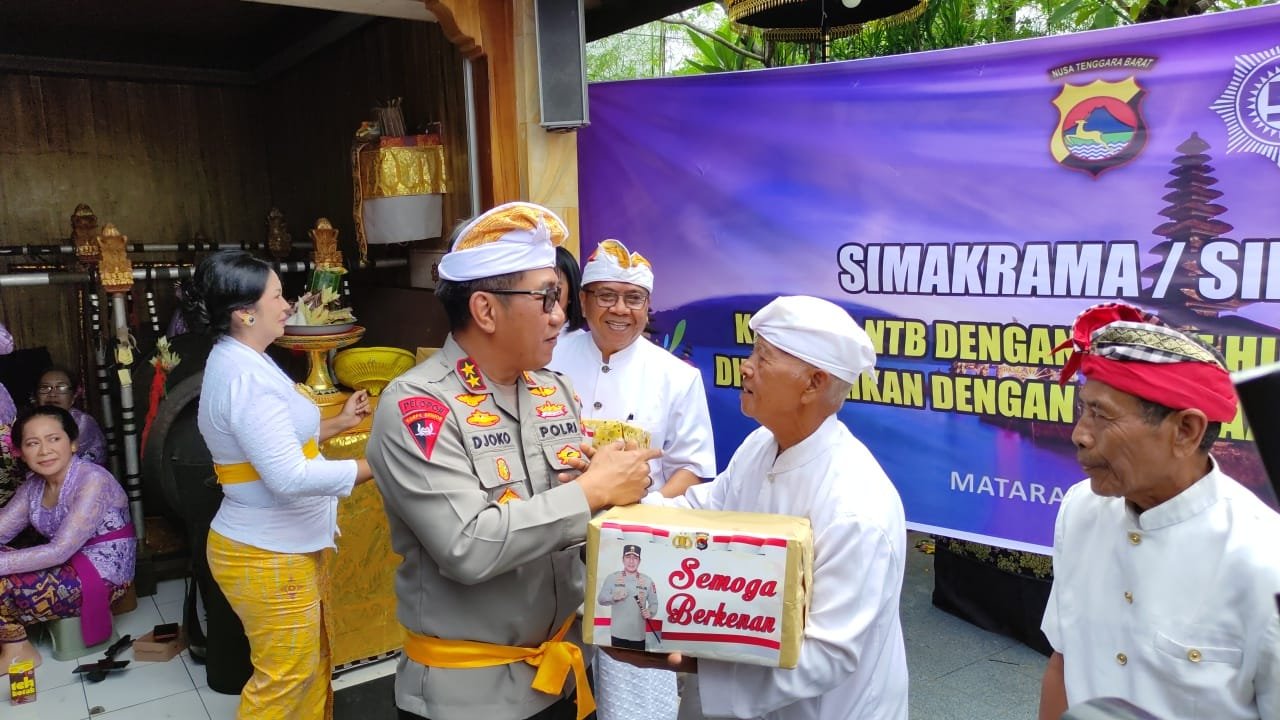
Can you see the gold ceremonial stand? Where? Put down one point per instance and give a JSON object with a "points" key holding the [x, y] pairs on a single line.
{"points": [[319, 382], [362, 607]]}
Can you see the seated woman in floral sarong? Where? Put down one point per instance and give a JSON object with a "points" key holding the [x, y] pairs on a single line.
{"points": [[88, 561]]}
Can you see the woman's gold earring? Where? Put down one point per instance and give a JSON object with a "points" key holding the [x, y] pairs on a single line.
{"points": [[248, 318]]}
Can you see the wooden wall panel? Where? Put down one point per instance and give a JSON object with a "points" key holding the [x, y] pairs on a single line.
{"points": [[164, 161], [160, 160], [316, 106]]}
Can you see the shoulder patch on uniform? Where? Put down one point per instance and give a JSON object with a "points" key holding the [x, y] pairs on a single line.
{"points": [[470, 374], [423, 417]]}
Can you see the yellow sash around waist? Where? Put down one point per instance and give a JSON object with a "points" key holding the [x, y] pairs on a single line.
{"points": [[553, 658], [244, 472]]}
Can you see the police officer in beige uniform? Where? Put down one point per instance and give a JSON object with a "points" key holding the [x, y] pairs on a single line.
{"points": [[632, 598], [472, 450]]}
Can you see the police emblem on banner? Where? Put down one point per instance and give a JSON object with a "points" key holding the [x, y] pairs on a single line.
{"points": [[1250, 106], [1100, 125]]}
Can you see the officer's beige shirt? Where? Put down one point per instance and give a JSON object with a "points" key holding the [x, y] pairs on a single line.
{"points": [[487, 534]]}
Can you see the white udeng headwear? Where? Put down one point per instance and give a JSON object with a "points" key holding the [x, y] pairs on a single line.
{"points": [[510, 238], [819, 333], [611, 262]]}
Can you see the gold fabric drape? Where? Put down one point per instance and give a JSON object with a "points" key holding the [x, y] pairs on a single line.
{"points": [[393, 171], [362, 607]]}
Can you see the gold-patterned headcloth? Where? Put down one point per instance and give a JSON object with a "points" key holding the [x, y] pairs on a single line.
{"points": [[513, 217], [514, 237], [611, 261]]}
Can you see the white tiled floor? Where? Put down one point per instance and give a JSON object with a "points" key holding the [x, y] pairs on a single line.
{"points": [[143, 691], [958, 672]]}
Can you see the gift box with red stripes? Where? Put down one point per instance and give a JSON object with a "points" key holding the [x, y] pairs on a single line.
{"points": [[725, 585]]}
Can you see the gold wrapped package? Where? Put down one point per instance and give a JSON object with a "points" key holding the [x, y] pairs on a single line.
{"points": [[602, 432], [729, 586]]}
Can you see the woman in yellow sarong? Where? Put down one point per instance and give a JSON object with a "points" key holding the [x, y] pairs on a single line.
{"points": [[272, 537]]}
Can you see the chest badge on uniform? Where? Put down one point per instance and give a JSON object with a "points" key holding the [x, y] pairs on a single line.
{"points": [[422, 417], [549, 410], [507, 496], [480, 418], [470, 374], [542, 390], [567, 453], [504, 470], [469, 399]]}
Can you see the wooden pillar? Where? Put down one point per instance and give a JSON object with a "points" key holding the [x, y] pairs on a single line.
{"points": [[518, 159]]}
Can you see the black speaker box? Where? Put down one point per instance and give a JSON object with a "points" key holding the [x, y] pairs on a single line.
{"points": [[562, 63]]}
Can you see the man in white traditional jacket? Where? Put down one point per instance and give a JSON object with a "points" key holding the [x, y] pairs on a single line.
{"points": [[804, 462], [620, 375], [1165, 569]]}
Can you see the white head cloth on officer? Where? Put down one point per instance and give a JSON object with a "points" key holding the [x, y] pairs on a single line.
{"points": [[612, 262], [510, 238], [818, 332]]}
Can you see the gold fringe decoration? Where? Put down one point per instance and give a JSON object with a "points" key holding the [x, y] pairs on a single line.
{"points": [[843, 31], [739, 9]]}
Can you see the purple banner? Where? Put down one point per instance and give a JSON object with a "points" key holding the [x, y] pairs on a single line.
{"points": [[964, 206]]}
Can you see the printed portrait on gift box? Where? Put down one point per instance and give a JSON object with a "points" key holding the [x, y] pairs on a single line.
{"points": [[633, 604]]}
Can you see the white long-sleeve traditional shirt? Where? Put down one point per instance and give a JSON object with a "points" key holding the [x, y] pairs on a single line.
{"points": [[646, 386], [250, 411], [1172, 609], [853, 662]]}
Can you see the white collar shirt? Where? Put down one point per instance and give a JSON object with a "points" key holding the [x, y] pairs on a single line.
{"points": [[1173, 609], [853, 661], [648, 387]]}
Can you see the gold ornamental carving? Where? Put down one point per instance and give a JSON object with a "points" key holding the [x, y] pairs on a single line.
{"points": [[327, 256], [114, 269], [84, 234]]}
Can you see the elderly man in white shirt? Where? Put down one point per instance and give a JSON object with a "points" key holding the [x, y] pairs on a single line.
{"points": [[805, 462], [620, 375], [1165, 569]]}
